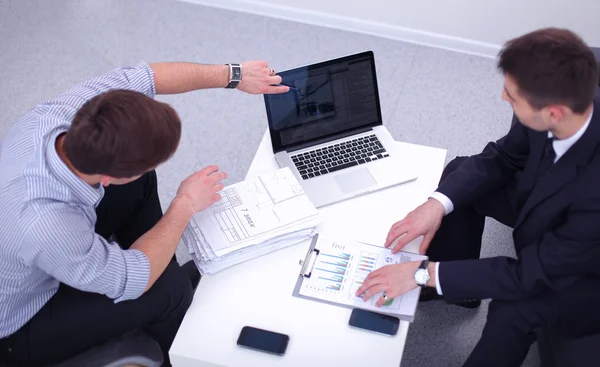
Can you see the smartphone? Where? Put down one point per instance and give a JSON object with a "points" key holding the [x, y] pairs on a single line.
{"points": [[372, 321], [263, 340]]}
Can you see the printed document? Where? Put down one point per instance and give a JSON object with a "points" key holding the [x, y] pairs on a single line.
{"points": [[339, 269], [254, 211]]}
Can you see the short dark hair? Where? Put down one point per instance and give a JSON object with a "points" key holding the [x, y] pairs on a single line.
{"points": [[122, 133], [551, 66]]}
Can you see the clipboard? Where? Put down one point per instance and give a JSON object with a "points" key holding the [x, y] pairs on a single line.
{"points": [[307, 272]]}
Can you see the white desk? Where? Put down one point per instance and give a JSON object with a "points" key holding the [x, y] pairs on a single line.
{"points": [[259, 292]]}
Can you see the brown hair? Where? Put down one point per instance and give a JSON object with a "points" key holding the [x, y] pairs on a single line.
{"points": [[122, 133], [551, 66]]}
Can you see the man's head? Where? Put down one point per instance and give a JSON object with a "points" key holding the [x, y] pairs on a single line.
{"points": [[550, 75], [120, 135]]}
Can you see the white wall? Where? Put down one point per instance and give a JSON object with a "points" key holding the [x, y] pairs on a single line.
{"points": [[474, 26]]}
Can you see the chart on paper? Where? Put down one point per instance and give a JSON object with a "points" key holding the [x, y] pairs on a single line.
{"points": [[367, 262], [341, 268], [331, 270]]}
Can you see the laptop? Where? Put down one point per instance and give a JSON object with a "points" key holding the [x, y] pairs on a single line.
{"points": [[328, 130]]}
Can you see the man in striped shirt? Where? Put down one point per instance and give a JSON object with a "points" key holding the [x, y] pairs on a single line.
{"points": [[77, 172]]}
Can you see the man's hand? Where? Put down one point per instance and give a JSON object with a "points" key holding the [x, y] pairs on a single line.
{"points": [[259, 78], [423, 221], [200, 190], [394, 280]]}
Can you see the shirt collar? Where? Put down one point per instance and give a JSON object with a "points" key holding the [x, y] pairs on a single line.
{"points": [[90, 195], [561, 146]]}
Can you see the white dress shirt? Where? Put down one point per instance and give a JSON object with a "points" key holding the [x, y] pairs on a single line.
{"points": [[560, 148]]}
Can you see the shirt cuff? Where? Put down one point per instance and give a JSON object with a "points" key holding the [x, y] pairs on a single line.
{"points": [[438, 286], [137, 267], [447, 203]]}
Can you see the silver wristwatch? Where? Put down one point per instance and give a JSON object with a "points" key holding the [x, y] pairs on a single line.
{"points": [[235, 75], [422, 274]]}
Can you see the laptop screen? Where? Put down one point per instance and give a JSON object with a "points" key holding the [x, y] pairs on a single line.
{"points": [[325, 100]]}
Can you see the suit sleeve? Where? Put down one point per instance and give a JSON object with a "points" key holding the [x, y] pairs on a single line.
{"points": [[489, 170], [556, 261]]}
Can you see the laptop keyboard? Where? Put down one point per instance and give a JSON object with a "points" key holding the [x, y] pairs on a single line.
{"points": [[339, 156]]}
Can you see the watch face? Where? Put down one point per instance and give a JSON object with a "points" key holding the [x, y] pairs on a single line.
{"points": [[422, 276], [237, 74]]}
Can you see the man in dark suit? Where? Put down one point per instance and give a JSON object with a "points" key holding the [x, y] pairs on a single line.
{"points": [[543, 180]]}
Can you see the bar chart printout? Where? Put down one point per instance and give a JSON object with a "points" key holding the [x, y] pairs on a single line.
{"points": [[331, 270], [340, 268]]}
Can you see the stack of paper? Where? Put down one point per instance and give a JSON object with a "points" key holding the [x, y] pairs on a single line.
{"points": [[253, 218]]}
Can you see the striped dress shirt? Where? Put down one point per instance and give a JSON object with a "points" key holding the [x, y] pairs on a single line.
{"points": [[47, 213]]}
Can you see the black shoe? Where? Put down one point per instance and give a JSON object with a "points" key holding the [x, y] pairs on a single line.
{"points": [[430, 294], [190, 269]]}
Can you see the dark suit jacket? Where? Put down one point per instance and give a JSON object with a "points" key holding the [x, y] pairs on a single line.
{"points": [[557, 232]]}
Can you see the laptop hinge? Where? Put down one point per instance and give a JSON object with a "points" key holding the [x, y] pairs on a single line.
{"points": [[327, 139]]}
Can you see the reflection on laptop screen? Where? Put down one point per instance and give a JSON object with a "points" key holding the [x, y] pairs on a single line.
{"points": [[324, 99]]}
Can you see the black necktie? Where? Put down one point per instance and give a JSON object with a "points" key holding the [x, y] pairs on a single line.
{"points": [[547, 159]]}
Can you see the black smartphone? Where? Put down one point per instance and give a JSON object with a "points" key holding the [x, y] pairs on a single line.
{"points": [[263, 340], [376, 322]]}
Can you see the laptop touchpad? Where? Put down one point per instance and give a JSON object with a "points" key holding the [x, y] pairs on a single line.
{"points": [[355, 180]]}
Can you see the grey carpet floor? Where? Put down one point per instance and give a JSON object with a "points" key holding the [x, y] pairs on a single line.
{"points": [[429, 96]]}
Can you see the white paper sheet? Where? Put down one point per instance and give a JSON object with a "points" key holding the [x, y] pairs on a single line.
{"points": [[251, 212], [341, 267], [237, 257], [253, 218]]}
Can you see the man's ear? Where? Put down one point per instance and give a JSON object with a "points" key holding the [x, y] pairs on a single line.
{"points": [[105, 180], [556, 113]]}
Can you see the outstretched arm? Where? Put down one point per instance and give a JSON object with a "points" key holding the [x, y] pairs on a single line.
{"points": [[181, 77]]}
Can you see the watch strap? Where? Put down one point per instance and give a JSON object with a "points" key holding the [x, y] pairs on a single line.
{"points": [[424, 264]]}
